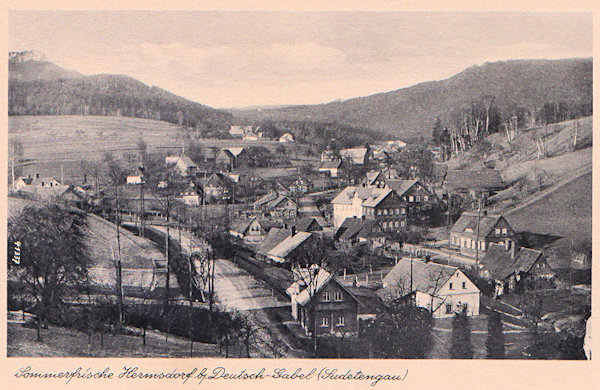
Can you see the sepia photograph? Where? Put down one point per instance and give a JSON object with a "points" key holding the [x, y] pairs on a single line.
{"points": [[299, 184]]}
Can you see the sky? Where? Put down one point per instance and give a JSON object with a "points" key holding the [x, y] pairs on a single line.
{"points": [[239, 59]]}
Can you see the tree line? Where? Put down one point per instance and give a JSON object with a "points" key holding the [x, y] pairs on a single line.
{"points": [[470, 123]]}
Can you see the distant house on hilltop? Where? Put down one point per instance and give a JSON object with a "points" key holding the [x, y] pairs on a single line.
{"points": [[239, 131], [287, 137], [441, 289]]}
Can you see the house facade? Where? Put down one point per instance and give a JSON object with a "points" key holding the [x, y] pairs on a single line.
{"points": [[516, 271], [322, 304], [380, 204], [441, 289], [191, 196], [474, 233], [287, 137], [249, 230], [183, 164]]}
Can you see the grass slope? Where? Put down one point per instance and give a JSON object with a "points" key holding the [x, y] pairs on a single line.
{"points": [[63, 342]]}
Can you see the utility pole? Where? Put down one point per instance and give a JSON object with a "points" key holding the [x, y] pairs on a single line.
{"points": [[142, 179], [477, 237]]}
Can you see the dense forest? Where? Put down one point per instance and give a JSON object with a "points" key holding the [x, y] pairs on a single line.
{"points": [[112, 95]]}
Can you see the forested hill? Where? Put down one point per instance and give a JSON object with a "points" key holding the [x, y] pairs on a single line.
{"points": [[516, 85], [42, 88]]}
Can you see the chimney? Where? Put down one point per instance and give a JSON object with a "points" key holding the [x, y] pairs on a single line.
{"points": [[485, 213], [513, 250], [37, 175], [293, 230]]}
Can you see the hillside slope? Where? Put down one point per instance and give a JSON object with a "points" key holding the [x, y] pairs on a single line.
{"points": [[412, 111], [42, 88]]}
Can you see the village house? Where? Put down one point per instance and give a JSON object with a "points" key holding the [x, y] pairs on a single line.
{"points": [[134, 179], [356, 156], [277, 206], [225, 160], [287, 137], [333, 168], [474, 183], [320, 302], [183, 164], [236, 131], [473, 232], [375, 179], [288, 250], [515, 271], [192, 195], [273, 238], [217, 187], [30, 182], [416, 196], [307, 224], [250, 230], [441, 289], [360, 231], [380, 204]]}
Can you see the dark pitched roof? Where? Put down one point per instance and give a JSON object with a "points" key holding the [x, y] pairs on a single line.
{"points": [[241, 225], [304, 224], [467, 224], [498, 262], [474, 179], [401, 186], [330, 164], [355, 227], [273, 238]]}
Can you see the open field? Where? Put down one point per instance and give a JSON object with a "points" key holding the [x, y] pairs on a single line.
{"points": [[63, 342], [49, 141]]}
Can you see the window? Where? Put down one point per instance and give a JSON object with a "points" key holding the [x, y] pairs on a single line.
{"points": [[497, 230], [326, 296], [504, 231], [451, 286], [340, 321], [384, 224], [385, 212], [324, 322], [418, 198], [378, 212], [473, 244], [402, 223], [337, 296], [403, 211], [396, 224], [449, 308], [411, 198], [425, 198], [464, 285], [397, 211]]}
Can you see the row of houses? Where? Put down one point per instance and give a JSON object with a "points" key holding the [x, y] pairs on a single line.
{"points": [[328, 305], [251, 133]]}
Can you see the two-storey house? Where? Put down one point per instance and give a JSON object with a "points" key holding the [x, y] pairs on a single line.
{"points": [[380, 204], [473, 232], [321, 303], [441, 289]]}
